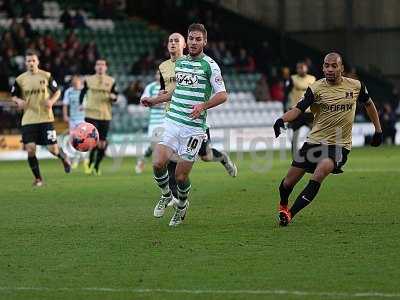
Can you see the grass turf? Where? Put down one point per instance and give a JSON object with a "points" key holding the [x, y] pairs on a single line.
{"points": [[82, 232]]}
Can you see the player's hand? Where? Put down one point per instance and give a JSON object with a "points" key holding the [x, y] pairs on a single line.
{"points": [[146, 101], [48, 104], [66, 119], [197, 110], [162, 92], [377, 139], [113, 97], [21, 104], [277, 127]]}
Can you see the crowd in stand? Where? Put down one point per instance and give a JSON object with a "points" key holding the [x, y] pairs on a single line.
{"points": [[61, 58]]}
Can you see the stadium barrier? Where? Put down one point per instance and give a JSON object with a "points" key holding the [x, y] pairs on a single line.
{"points": [[228, 139]]}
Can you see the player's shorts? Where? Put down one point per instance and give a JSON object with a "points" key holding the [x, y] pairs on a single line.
{"points": [[155, 132], [73, 123], [310, 155], [204, 144], [183, 140], [102, 127], [305, 119], [40, 134]]}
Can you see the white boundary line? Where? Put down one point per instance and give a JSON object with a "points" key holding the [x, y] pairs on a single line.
{"points": [[374, 295]]}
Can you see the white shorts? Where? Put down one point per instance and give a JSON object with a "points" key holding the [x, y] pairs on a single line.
{"points": [[155, 132], [183, 140]]}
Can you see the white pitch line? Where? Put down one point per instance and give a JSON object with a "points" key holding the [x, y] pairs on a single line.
{"points": [[375, 295]]}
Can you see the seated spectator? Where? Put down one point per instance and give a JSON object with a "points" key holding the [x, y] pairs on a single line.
{"points": [[26, 24], [133, 92], [388, 122], [261, 92], [245, 63], [66, 19], [277, 90], [79, 20]]}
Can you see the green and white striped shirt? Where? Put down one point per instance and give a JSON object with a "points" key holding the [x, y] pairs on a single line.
{"points": [[196, 80], [157, 113]]}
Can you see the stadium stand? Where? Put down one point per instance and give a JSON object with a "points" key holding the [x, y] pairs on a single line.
{"points": [[134, 47]]}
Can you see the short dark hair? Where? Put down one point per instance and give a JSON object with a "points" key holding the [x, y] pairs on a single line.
{"points": [[102, 59], [198, 27], [31, 52]]}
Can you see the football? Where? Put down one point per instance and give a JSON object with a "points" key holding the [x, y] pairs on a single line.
{"points": [[84, 137]]}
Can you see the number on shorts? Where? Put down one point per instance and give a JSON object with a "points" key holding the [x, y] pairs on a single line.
{"points": [[51, 135], [192, 143]]}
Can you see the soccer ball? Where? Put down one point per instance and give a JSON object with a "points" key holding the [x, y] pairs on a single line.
{"points": [[84, 137]]}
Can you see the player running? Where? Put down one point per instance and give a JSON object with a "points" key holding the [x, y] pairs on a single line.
{"points": [[35, 92], [74, 114], [197, 77], [333, 100], [176, 45], [100, 91]]}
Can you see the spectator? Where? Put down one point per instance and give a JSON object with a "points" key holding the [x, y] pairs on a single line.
{"points": [[277, 89], [66, 19], [388, 122], [21, 41], [79, 20], [262, 92], [133, 92], [287, 85], [245, 63], [26, 25]]}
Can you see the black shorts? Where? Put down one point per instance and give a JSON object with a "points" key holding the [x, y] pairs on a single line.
{"points": [[40, 134], [310, 155], [102, 127], [305, 119], [203, 148]]}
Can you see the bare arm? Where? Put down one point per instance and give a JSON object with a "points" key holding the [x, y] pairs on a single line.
{"points": [[216, 100], [65, 113], [291, 115], [161, 98], [373, 114], [53, 99], [295, 112]]}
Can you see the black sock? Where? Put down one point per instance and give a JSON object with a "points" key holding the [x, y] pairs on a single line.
{"points": [[100, 154], [305, 197], [92, 156], [218, 156], [162, 180], [61, 154], [172, 182], [284, 193], [34, 164], [183, 192], [148, 152]]}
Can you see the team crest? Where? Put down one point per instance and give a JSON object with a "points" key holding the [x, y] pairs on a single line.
{"points": [[349, 95]]}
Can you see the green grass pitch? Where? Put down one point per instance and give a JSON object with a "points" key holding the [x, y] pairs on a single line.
{"points": [[83, 237]]}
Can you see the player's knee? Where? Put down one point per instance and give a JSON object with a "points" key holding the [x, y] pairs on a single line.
{"points": [[181, 178], [31, 151], [158, 164], [324, 168]]}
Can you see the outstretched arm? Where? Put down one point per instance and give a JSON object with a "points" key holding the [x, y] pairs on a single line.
{"points": [[295, 112], [216, 100], [372, 113]]}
